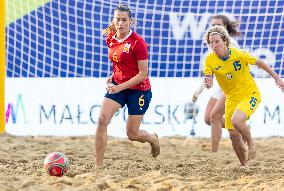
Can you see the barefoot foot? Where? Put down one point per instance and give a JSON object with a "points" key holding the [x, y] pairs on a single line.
{"points": [[155, 147], [251, 152]]}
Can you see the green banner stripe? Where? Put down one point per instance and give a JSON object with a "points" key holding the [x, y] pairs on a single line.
{"points": [[16, 9]]}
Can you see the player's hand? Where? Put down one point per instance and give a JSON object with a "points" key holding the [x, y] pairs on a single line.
{"points": [[208, 81], [109, 80], [194, 98], [280, 83], [112, 88]]}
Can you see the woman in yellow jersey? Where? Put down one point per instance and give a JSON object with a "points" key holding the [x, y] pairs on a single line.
{"points": [[231, 67], [215, 108]]}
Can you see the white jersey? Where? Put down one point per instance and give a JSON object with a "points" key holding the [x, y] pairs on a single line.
{"points": [[234, 43]]}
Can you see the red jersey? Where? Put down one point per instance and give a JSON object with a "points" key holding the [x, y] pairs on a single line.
{"points": [[125, 55]]}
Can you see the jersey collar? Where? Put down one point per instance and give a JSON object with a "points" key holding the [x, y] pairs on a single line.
{"points": [[226, 58], [123, 39]]}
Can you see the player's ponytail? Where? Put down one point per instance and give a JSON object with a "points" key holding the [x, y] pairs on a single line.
{"points": [[109, 29]]}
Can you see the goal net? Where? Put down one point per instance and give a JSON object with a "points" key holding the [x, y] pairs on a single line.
{"points": [[63, 38]]}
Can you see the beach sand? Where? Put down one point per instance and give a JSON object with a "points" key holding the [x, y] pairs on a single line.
{"points": [[184, 164]]}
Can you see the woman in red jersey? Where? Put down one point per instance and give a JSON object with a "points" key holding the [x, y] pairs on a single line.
{"points": [[129, 84]]}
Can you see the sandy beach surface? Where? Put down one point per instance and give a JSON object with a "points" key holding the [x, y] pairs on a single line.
{"points": [[184, 164]]}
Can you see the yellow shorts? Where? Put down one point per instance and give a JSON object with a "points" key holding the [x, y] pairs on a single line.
{"points": [[247, 103]]}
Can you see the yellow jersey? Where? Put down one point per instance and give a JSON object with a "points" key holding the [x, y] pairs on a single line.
{"points": [[232, 73]]}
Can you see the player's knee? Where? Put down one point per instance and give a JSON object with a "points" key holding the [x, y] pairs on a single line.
{"points": [[215, 117], [207, 119], [234, 136], [132, 136], [103, 121]]}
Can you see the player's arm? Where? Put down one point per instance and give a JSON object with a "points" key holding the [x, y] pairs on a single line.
{"points": [[208, 81], [279, 82], [140, 77], [198, 91], [208, 73], [109, 79]]}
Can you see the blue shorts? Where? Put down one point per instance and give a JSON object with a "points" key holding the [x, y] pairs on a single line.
{"points": [[137, 101]]}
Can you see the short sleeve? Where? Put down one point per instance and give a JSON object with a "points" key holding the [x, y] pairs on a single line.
{"points": [[248, 58], [207, 67], [141, 50]]}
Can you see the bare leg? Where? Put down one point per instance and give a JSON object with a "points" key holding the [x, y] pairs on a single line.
{"points": [[238, 146], [108, 109], [216, 133], [210, 105], [223, 120], [134, 134], [238, 120], [216, 118]]}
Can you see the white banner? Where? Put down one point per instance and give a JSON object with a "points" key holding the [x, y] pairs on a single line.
{"points": [[70, 106]]}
